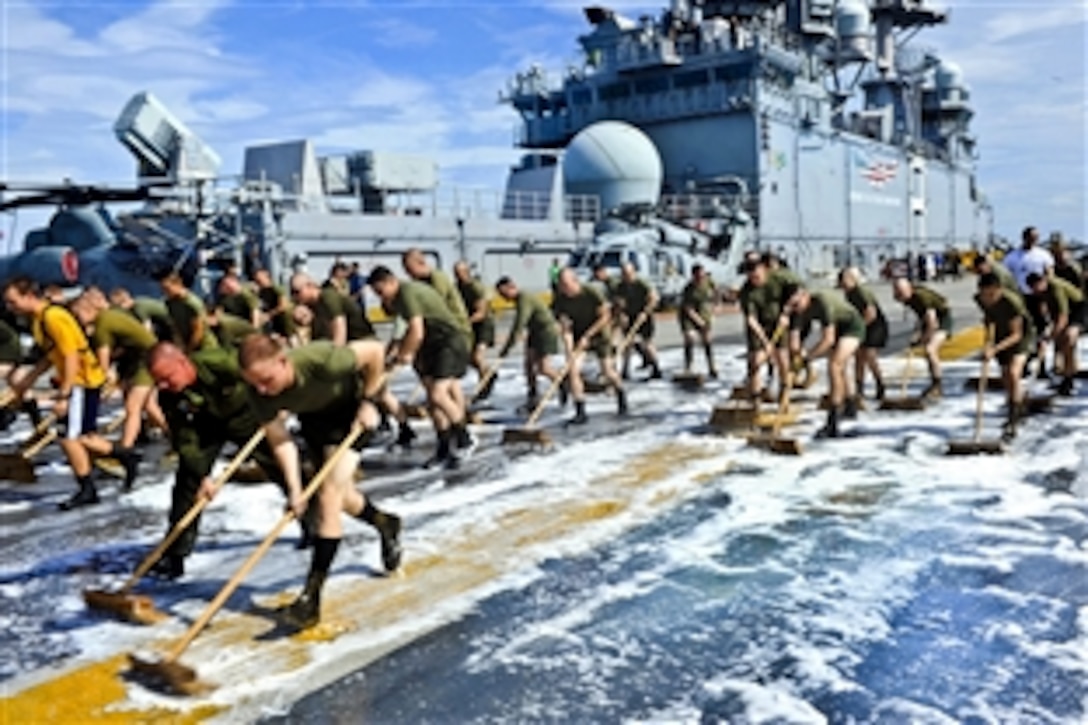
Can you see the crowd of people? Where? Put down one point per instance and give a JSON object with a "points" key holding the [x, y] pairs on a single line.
{"points": [[260, 358]]}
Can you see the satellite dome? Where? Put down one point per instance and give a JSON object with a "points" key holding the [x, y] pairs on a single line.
{"points": [[854, 26], [615, 161], [949, 75]]}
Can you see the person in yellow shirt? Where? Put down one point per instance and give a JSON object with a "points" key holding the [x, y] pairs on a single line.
{"points": [[79, 378]]}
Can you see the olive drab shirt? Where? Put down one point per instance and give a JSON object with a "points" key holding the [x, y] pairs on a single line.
{"points": [[125, 336], [58, 333], [1059, 296], [830, 309], [1001, 316], [326, 378], [1071, 273], [443, 285], [231, 330], [154, 313], [242, 305], [582, 310], [1005, 277], [765, 302], [633, 296], [471, 294], [861, 298], [533, 315], [270, 298], [698, 299], [925, 299], [333, 303], [216, 402], [184, 313], [11, 351], [419, 299]]}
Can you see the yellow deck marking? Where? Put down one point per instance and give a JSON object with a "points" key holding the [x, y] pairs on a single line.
{"points": [[962, 344], [463, 560]]}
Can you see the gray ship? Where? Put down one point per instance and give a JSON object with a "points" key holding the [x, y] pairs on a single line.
{"points": [[806, 127]]}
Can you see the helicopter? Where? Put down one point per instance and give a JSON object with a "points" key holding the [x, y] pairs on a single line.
{"points": [[84, 244]]}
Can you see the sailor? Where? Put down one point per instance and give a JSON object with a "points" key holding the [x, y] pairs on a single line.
{"points": [[79, 378], [338, 278], [1004, 312], [534, 321], [239, 301], [635, 296], [1063, 309], [435, 344], [119, 339], [336, 317], [842, 329], [207, 406], [275, 307], [187, 314], [1030, 258], [330, 389], [148, 310], [762, 298], [607, 284], [418, 268], [578, 308], [934, 325], [1065, 267], [479, 316], [984, 264], [876, 331], [695, 318]]}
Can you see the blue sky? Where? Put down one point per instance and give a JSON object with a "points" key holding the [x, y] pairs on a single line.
{"points": [[425, 76]]}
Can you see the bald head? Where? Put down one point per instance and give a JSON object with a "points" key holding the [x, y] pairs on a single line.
{"points": [[170, 367], [902, 289], [304, 288], [416, 264], [848, 278], [568, 282]]}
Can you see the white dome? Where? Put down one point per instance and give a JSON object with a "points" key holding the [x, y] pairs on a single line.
{"points": [[852, 19], [949, 75], [615, 161]]}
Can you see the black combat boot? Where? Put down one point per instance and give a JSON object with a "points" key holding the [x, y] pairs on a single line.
{"points": [[1042, 373], [129, 458], [169, 568], [305, 611], [713, 371], [463, 439], [850, 408], [388, 526], [689, 357], [880, 390], [442, 453], [85, 496], [621, 401], [655, 371], [30, 407], [7, 417], [1008, 430], [405, 436], [564, 392], [1065, 389], [831, 428], [580, 417]]}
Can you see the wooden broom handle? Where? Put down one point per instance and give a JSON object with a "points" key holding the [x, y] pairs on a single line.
{"points": [[220, 599], [581, 344], [194, 511], [630, 336], [983, 380]]}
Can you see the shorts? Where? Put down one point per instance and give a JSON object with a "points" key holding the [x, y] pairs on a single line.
{"points": [[132, 369], [876, 334], [1035, 308], [1076, 314], [483, 333], [854, 328], [645, 330], [600, 346], [687, 325], [944, 321], [442, 356], [327, 428], [82, 412], [543, 344]]}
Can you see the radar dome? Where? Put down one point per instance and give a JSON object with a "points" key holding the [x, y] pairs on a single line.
{"points": [[853, 24], [949, 75], [614, 161]]}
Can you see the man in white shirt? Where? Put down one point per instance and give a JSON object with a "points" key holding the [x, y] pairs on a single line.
{"points": [[1032, 259]]}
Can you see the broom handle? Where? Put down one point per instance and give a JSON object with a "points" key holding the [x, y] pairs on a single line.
{"points": [[768, 349], [982, 382], [564, 372], [485, 379], [197, 507], [630, 336], [906, 370], [220, 599], [783, 404], [36, 448]]}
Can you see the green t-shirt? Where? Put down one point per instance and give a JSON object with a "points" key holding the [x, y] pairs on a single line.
{"points": [[472, 293], [118, 330], [333, 303], [1059, 295], [765, 302], [445, 288], [1001, 315], [184, 313], [582, 309], [153, 311], [697, 298], [10, 348], [925, 299], [861, 298], [532, 314], [633, 296], [231, 330], [242, 304], [830, 309], [418, 299], [1005, 277], [326, 378]]}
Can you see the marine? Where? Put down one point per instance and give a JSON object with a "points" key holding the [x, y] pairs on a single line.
{"points": [[842, 329], [331, 390], [336, 316], [480, 318], [533, 321], [579, 308], [276, 316], [765, 292], [152, 313], [695, 318], [876, 331], [1005, 313], [934, 325], [635, 297], [237, 300], [188, 316], [1063, 308]]}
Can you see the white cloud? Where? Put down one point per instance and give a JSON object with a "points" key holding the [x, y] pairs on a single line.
{"points": [[397, 33], [1033, 18]]}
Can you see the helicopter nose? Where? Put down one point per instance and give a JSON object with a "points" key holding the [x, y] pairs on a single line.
{"points": [[69, 265]]}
